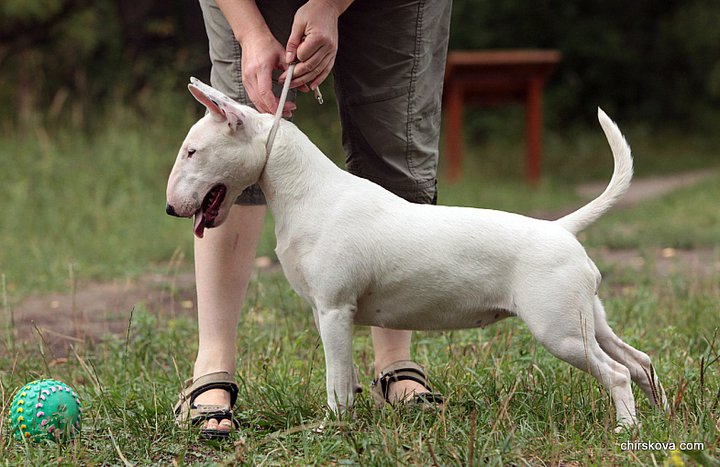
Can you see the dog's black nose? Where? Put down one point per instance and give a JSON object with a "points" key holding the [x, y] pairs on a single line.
{"points": [[170, 210]]}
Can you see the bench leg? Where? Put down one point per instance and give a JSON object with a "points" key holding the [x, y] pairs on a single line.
{"points": [[533, 131]]}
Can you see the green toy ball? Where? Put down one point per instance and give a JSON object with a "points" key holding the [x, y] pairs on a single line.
{"points": [[45, 409]]}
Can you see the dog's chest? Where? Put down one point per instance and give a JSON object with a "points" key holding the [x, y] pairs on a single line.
{"points": [[293, 270]]}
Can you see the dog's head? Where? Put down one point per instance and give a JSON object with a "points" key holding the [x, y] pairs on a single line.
{"points": [[223, 153]]}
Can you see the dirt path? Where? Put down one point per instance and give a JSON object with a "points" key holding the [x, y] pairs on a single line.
{"points": [[96, 309], [642, 189], [646, 188], [99, 308]]}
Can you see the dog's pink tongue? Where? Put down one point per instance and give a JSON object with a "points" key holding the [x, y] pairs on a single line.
{"points": [[199, 227]]}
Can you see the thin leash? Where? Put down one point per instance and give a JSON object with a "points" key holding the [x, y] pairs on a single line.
{"points": [[283, 99]]}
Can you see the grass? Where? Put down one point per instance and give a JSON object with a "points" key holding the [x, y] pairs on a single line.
{"points": [[683, 219], [509, 401], [92, 204]]}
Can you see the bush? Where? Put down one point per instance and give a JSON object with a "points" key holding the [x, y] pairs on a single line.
{"points": [[653, 61]]}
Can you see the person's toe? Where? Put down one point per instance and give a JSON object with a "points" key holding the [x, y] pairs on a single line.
{"points": [[225, 425], [218, 425]]}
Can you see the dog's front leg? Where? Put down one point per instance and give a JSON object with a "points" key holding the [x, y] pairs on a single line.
{"points": [[336, 327]]}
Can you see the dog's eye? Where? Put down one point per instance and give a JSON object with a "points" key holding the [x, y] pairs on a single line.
{"points": [[190, 152]]}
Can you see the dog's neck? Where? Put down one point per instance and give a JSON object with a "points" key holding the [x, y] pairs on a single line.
{"points": [[295, 171], [299, 184]]}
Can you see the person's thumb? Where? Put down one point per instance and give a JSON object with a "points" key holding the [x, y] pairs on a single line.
{"points": [[294, 41]]}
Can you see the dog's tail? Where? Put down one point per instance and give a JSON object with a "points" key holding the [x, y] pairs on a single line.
{"points": [[619, 183]]}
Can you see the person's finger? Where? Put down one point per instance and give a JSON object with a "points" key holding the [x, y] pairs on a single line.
{"points": [[307, 75], [311, 45], [309, 65], [313, 52], [305, 72], [288, 109], [323, 75], [316, 76], [294, 41]]}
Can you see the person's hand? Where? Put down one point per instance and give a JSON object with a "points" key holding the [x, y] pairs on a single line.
{"points": [[313, 42], [261, 54]]}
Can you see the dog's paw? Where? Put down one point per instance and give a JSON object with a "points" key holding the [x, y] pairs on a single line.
{"points": [[627, 426]]}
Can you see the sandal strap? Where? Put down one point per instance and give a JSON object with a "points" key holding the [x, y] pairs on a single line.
{"points": [[185, 409], [215, 380], [428, 398], [403, 370]]}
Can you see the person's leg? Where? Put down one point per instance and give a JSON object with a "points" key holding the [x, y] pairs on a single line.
{"points": [[224, 258], [392, 345], [388, 79]]}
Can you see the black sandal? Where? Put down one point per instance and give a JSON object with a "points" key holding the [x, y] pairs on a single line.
{"points": [[187, 411], [402, 371]]}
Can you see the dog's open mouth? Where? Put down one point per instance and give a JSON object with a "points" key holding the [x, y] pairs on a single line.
{"points": [[208, 212]]}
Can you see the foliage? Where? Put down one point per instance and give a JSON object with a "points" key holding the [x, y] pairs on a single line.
{"points": [[72, 57], [651, 60]]}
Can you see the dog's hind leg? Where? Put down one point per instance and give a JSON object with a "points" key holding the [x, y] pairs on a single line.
{"points": [[571, 337], [639, 364]]}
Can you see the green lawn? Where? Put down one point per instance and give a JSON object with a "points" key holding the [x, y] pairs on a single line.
{"points": [[91, 205], [508, 400]]}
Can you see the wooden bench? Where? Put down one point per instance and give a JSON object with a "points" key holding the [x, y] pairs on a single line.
{"points": [[492, 78]]}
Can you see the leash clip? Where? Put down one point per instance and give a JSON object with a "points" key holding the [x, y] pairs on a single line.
{"points": [[318, 95]]}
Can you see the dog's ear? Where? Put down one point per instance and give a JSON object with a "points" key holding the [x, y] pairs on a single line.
{"points": [[205, 100], [220, 106]]}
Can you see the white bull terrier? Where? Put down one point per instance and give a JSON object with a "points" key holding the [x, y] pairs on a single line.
{"points": [[361, 255]]}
